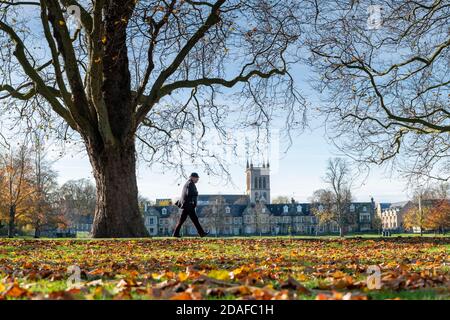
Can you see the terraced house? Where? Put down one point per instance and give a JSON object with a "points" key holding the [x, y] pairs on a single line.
{"points": [[253, 213]]}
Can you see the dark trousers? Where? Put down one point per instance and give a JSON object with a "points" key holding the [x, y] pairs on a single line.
{"points": [[184, 214]]}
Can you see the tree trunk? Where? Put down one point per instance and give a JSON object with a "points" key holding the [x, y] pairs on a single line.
{"points": [[342, 231], [12, 216], [37, 229], [117, 212]]}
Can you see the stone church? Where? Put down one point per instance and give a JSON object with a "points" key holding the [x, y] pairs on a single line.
{"points": [[251, 213]]}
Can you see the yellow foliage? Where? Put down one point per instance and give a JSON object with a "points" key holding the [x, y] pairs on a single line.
{"points": [[219, 275]]}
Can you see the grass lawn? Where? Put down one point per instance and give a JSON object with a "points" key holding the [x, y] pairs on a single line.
{"points": [[225, 268]]}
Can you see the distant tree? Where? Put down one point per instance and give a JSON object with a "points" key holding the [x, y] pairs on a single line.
{"points": [[76, 198], [16, 189], [377, 223], [281, 200], [322, 204], [430, 209], [416, 218], [439, 217], [333, 204], [43, 180], [214, 213]]}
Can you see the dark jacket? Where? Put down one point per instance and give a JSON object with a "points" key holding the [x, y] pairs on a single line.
{"points": [[189, 195]]}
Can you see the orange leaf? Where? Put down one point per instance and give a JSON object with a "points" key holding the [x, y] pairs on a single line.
{"points": [[16, 292], [181, 296]]}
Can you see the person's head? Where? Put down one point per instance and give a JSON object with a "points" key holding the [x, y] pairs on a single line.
{"points": [[194, 177]]}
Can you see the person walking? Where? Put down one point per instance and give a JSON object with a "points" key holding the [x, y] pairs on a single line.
{"points": [[187, 204]]}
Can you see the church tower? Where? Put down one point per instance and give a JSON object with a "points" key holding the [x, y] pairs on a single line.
{"points": [[258, 183]]}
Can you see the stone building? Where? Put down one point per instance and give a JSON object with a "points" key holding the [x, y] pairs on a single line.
{"points": [[252, 213], [258, 183], [392, 216]]}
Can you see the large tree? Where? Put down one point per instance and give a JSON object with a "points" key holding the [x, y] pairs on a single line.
{"points": [[384, 70], [333, 204], [429, 208], [76, 199], [43, 181], [439, 218], [16, 185], [146, 70]]}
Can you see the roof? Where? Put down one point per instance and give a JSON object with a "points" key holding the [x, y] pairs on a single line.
{"points": [[384, 206], [238, 210], [235, 210], [400, 204], [279, 209], [238, 199]]}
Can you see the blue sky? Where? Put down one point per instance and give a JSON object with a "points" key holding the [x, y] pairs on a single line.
{"points": [[300, 172], [297, 174]]}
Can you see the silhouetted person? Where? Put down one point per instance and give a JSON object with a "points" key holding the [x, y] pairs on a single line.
{"points": [[188, 203]]}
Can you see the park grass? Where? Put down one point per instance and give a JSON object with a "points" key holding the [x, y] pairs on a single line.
{"points": [[213, 268]]}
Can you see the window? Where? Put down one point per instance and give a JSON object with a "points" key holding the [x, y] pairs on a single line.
{"points": [[164, 211], [352, 208], [263, 210], [228, 210], [285, 209], [152, 220], [364, 218], [299, 208], [364, 209], [264, 185], [320, 208]]}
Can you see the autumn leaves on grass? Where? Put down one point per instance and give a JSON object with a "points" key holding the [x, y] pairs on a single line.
{"points": [[265, 268]]}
